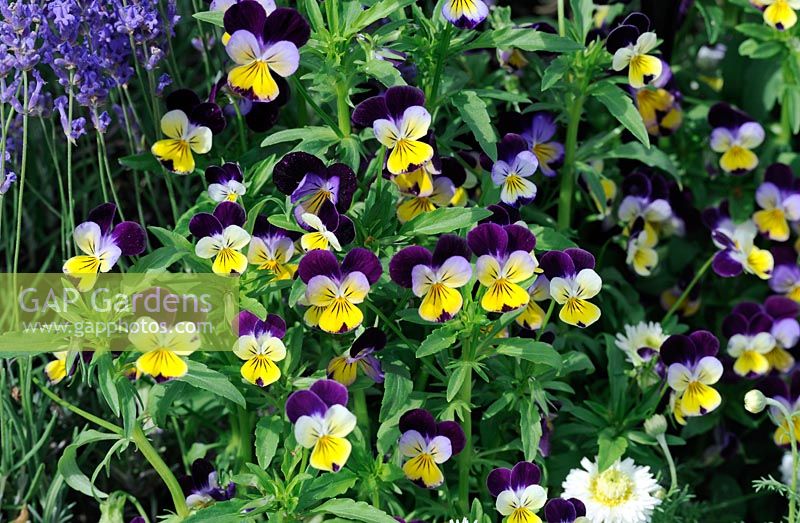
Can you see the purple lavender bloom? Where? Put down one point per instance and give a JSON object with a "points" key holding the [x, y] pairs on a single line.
{"points": [[101, 121], [360, 355], [540, 139], [561, 510], [8, 180], [164, 81], [515, 164], [427, 444], [517, 490], [201, 487]]}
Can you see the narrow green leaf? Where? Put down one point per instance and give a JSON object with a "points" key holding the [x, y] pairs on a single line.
{"points": [[212, 17], [610, 450], [621, 107], [446, 219], [473, 110], [653, 156], [354, 510], [203, 378], [436, 341], [68, 464], [268, 435], [530, 350], [456, 381], [396, 389]]}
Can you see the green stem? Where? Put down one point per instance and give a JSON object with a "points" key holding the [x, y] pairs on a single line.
{"points": [[465, 458], [682, 298], [70, 200], [362, 414], [342, 108], [245, 453], [546, 320], [79, 411], [22, 171], [152, 456], [317, 109], [673, 475], [441, 58], [567, 189], [561, 25]]}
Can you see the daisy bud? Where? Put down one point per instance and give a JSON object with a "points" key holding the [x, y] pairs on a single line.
{"points": [[655, 425], [755, 401]]}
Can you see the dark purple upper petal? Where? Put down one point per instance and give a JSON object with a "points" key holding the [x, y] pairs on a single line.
{"points": [[760, 322], [678, 349], [621, 36], [774, 387], [400, 98], [580, 258], [780, 307], [580, 508], [420, 420], [705, 343], [331, 392], [346, 231], [638, 20], [103, 216], [184, 99], [725, 265], [290, 171], [784, 255], [230, 213], [723, 115], [488, 238], [371, 109], [452, 431], [452, 170], [247, 323], [201, 470], [449, 245], [347, 184], [204, 224], [371, 340], [734, 324], [304, 403], [130, 238], [247, 15], [502, 214], [275, 325], [780, 174], [404, 261], [210, 115], [498, 480], [328, 215], [318, 262], [520, 238], [510, 146], [557, 264], [224, 173], [637, 184], [286, 24], [559, 511], [525, 474], [262, 116], [364, 261]]}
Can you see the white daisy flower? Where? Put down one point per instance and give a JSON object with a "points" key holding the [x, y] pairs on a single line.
{"points": [[643, 335], [623, 493]]}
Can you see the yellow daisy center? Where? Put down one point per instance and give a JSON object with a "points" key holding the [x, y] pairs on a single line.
{"points": [[611, 488]]}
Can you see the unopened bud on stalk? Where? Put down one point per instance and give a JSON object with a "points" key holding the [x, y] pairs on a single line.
{"points": [[755, 401], [655, 425]]}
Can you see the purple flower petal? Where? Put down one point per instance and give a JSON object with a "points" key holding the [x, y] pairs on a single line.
{"points": [[557, 264], [448, 246], [290, 171], [774, 387], [678, 349], [331, 392], [520, 238], [275, 325], [502, 214], [224, 173], [130, 238], [723, 115], [318, 263], [372, 368], [488, 238], [498, 480], [304, 403], [580, 508], [705, 343], [621, 36], [780, 174], [246, 323], [204, 224], [638, 20], [542, 128], [347, 185], [103, 216], [400, 98], [346, 231], [404, 261], [371, 109], [262, 116], [371, 340], [525, 474], [247, 15], [725, 265], [328, 215], [452, 431], [780, 307], [760, 322], [286, 24], [184, 99], [559, 511], [210, 115], [230, 213], [364, 261], [734, 324], [452, 169], [420, 420], [637, 184], [580, 258], [510, 146]]}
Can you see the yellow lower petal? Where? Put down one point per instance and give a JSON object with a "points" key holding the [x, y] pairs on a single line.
{"points": [[162, 363], [699, 399], [773, 223], [532, 317], [779, 359], [760, 263], [261, 371], [229, 261], [523, 515], [643, 69], [580, 313], [440, 303], [254, 79], [504, 296], [339, 369], [176, 155], [314, 240], [330, 453], [340, 316], [407, 153], [782, 434], [751, 362], [423, 468], [780, 15], [56, 370], [82, 265], [413, 207], [737, 158]]}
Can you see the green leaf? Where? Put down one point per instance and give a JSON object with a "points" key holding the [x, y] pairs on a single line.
{"points": [[446, 219], [268, 435], [68, 464], [284, 222], [473, 110], [523, 39], [212, 17], [530, 429], [760, 50], [382, 9], [530, 350], [141, 162], [791, 103], [327, 486], [456, 380], [384, 72], [354, 510], [621, 107], [158, 260], [297, 292], [220, 512], [554, 72], [548, 239], [757, 31], [171, 239], [582, 13], [203, 378], [396, 389], [311, 8], [714, 18], [312, 139], [161, 398], [610, 450], [654, 157], [440, 339]]}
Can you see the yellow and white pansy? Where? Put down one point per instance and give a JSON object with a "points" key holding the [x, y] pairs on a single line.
{"points": [[221, 238], [163, 347]]}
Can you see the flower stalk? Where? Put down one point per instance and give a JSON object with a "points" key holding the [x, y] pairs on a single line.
{"points": [[465, 459], [567, 189]]}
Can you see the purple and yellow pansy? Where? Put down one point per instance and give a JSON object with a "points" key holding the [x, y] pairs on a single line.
{"points": [[163, 347], [465, 14], [519, 495], [426, 445], [692, 369], [260, 345], [434, 277], [515, 164], [334, 291], [327, 229], [659, 104], [737, 251], [789, 396], [272, 248], [360, 355], [201, 487], [573, 282], [505, 260], [322, 422], [785, 329], [56, 370], [225, 182], [786, 274], [539, 135], [641, 253], [734, 134], [631, 43], [400, 122], [748, 328], [780, 14], [429, 187], [189, 126], [779, 199], [262, 45], [102, 243], [220, 236], [646, 198], [532, 317]]}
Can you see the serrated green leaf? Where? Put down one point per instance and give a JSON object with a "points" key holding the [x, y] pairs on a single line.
{"points": [[438, 340], [446, 219], [529, 350]]}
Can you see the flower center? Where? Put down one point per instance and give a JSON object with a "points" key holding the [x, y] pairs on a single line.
{"points": [[611, 488]]}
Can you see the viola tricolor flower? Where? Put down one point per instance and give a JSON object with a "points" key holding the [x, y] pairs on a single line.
{"points": [[56, 370], [532, 317], [519, 495], [515, 164], [189, 126], [647, 199], [225, 182], [641, 252], [428, 187], [329, 229], [427, 444], [322, 422], [309, 183], [779, 199], [334, 291], [737, 251], [785, 330], [271, 249], [561, 510], [786, 274], [631, 43], [220, 236], [400, 122], [659, 104], [435, 277], [539, 135], [747, 328], [261, 45], [780, 14], [163, 347], [360, 355], [465, 14], [734, 134], [573, 282], [692, 367], [102, 243], [260, 345], [505, 260], [201, 488], [789, 395]]}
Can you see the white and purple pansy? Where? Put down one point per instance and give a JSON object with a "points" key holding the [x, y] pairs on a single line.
{"points": [[646, 196], [515, 164], [327, 229], [400, 122], [271, 249], [434, 277], [360, 355], [322, 422], [102, 243], [426, 444], [748, 329], [519, 495], [631, 43], [260, 345], [573, 282], [334, 291], [789, 396], [225, 182], [220, 236], [189, 126], [505, 260], [309, 183], [201, 488], [262, 45], [465, 14], [786, 274], [734, 134], [735, 241], [779, 199], [692, 369], [560, 510], [539, 134]]}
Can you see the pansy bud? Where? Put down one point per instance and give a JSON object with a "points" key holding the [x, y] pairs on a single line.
{"points": [[755, 401], [655, 425]]}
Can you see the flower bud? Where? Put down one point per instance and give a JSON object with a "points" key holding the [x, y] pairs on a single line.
{"points": [[655, 425], [755, 401]]}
